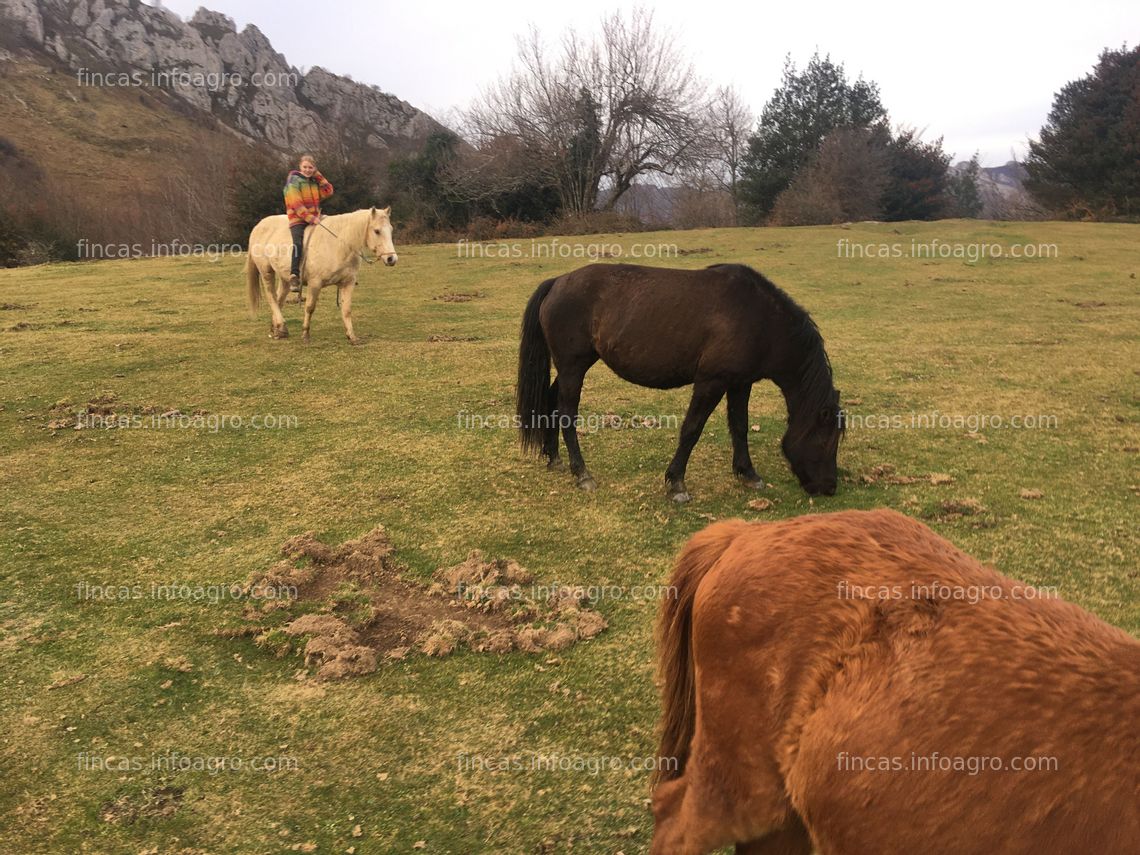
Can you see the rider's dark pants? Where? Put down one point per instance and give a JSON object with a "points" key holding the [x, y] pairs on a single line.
{"points": [[297, 232]]}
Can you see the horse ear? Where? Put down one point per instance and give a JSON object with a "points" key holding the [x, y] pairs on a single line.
{"points": [[388, 210], [373, 211]]}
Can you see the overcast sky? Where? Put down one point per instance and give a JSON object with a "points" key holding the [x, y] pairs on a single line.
{"points": [[980, 74]]}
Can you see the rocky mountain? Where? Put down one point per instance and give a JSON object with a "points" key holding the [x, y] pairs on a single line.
{"points": [[1002, 191], [208, 65], [124, 126]]}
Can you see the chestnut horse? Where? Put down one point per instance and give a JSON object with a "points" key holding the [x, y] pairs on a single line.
{"points": [[720, 329], [826, 685]]}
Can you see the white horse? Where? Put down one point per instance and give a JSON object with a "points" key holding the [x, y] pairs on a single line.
{"points": [[332, 253]]}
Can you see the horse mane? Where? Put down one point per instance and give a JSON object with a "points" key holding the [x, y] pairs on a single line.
{"points": [[353, 225], [815, 381]]}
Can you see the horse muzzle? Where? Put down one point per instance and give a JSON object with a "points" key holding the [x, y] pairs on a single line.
{"points": [[390, 259]]}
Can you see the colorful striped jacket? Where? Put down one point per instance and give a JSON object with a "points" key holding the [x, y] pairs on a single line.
{"points": [[303, 196]]}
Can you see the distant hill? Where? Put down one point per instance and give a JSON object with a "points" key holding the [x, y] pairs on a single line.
{"points": [[238, 78], [119, 113], [1002, 190]]}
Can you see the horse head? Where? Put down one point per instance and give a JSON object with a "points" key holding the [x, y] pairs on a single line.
{"points": [[811, 445], [379, 237]]}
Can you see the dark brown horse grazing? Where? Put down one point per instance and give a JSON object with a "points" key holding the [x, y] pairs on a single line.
{"points": [[721, 329], [853, 683]]}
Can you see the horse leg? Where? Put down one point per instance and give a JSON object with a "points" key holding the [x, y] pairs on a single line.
{"points": [[706, 395], [345, 293], [738, 428], [277, 328], [691, 815], [550, 443], [310, 305], [282, 287], [569, 393]]}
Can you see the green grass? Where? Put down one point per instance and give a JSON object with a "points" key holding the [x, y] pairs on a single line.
{"points": [[377, 441]]}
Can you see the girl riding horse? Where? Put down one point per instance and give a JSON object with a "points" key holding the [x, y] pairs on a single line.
{"points": [[305, 187]]}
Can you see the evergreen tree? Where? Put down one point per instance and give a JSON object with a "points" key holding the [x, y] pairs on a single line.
{"points": [[256, 184], [806, 108], [917, 188], [418, 183], [962, 188], [582, 172], [354, 182], [1088, 157]]}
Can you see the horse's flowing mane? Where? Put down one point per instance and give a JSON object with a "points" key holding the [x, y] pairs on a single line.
{"points": [[815, 381], [351, 227]]}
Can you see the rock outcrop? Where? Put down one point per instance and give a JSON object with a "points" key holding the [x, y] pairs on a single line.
{"points": [[205, 62]]}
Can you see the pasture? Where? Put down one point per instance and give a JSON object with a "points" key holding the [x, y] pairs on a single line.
{"points": [[411, 431]]}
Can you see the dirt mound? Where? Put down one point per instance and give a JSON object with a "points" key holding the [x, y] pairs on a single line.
{"points": [[962, 507], [160, 802], [105, 410], [967, 509], [333, 646], [460, 297], [475, 572], [346, 608]]}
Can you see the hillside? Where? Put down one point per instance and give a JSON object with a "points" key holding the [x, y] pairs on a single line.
{"points": [[95, 90], [238, 78]]}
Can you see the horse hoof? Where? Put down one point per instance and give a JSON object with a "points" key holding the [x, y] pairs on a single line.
{"points": [[355, 342], [554, 463], [681, 497], [754, 482], [305, 337], [587, 483]]}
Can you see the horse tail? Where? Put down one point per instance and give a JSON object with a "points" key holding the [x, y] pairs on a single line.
{"points": [[675, 667], [532, 397], [252, 284]]}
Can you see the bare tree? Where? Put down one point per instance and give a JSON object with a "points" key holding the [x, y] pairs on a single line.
{"points": [[601, 113], [700, 201], [729, 126]]}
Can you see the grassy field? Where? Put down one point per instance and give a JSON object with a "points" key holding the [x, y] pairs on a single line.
{"points": [[375, 761]]}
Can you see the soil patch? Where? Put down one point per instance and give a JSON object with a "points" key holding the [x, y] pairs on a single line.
{"points": [[950, 510], [460, 298], [347, 608], [453, 338], [105, 410], [127, 809]]}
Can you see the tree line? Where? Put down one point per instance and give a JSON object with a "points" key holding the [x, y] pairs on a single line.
{"points": [[570, 134], [566, 140]]}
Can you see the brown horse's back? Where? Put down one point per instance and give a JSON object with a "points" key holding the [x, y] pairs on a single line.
{"points": [[657, 327], [858, 674]]}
